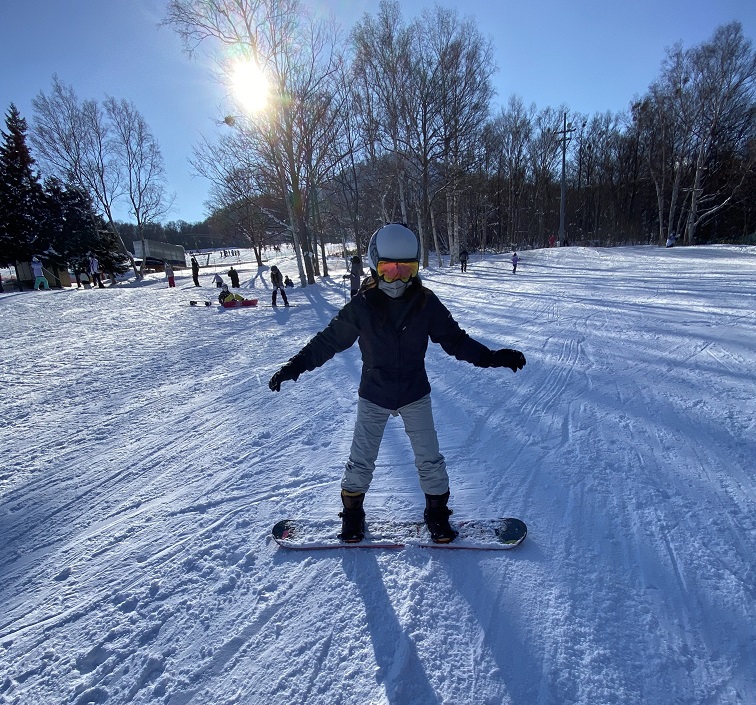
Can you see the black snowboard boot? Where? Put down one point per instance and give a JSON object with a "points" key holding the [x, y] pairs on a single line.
{"points": [[353, 517], [437, 518]]}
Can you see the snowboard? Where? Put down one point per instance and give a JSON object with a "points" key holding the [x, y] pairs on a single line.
{"points": [[476, 534], [199, 303]]}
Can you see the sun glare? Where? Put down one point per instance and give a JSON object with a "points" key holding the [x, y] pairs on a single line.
{"points": [[250, 86]]}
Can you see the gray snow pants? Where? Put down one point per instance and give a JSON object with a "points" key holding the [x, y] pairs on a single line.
{"points": [[368, 433]]}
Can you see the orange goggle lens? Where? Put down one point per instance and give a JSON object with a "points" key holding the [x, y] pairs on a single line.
{"points": [[393, 271]]}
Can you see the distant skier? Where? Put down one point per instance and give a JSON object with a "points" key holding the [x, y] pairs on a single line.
{"points": [[276, 280], [195, 271], [393, 317], [40, 280], [355, 275], [463, 256], [515, 260]]}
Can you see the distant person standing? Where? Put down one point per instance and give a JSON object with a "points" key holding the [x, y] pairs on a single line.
{"points": [[463, 257], [169, 273], [94, 270], [79, 267], [515, 260], [355, 275], [277, 282], [40, 280], [195, 271], [233, 275]]}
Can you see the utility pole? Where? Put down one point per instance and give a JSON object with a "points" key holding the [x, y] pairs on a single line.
{"points": [[565, 132]]}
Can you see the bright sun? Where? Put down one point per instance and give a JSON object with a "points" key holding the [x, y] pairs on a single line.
{"points": [[250, 86]]}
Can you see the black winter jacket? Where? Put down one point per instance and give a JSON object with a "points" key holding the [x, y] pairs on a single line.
{"points": [[276, 279], [393, 337]]}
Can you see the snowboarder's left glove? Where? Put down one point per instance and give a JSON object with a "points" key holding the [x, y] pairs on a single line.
{"points": [[288, 372], [513, 359]]}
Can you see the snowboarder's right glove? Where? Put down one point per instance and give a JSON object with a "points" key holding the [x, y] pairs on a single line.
{"points": [[513, 359], [289, 371]]}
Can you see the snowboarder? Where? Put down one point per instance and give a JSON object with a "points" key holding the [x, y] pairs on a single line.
{"points": [[195, 271], [225, 296], [233, 275], [276, 280], [515, 260], [393, 317], [463, 260], [217, 280], [355, 275], [40, 280]]}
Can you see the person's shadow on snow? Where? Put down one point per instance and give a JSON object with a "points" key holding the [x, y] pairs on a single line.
{"points": [[399, 667]]}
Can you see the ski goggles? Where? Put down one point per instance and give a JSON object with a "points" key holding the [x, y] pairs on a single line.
{"points": [[391, 271]]}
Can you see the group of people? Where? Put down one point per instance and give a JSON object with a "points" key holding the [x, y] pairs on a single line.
{"points": [[277, 281], [464, 256], [217, 279], [92, 269], [233, 275]]}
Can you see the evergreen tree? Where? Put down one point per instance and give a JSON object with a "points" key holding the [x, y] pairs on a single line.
{"points": [[70, 230], [20, 192]]}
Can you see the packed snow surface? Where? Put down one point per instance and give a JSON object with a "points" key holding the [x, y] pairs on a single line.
{"points": [[144, 461]]}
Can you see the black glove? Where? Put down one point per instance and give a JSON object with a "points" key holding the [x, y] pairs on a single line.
{"points": [[288, 372], [513, 359]]}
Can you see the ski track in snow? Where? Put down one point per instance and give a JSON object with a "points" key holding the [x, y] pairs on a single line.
{"points": [[144, 461]]}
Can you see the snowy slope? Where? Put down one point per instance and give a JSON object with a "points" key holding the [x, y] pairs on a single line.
{"points": [[143, 461]]}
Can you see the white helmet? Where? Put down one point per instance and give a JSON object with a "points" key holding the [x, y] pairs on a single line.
{"points": [[393, 242]]}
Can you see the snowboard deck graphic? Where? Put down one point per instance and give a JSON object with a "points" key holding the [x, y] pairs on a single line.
{"points": [[474, 534]]}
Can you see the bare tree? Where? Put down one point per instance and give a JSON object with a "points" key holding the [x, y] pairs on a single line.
{"points": [[464, 61], [238, 188], [141, 163], [76, 141], [543, 151], [385, 93], [299, 56], [724, 77], [700, 111]]}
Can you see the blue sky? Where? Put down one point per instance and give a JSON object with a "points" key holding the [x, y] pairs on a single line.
{"points": [[588, 55]]}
